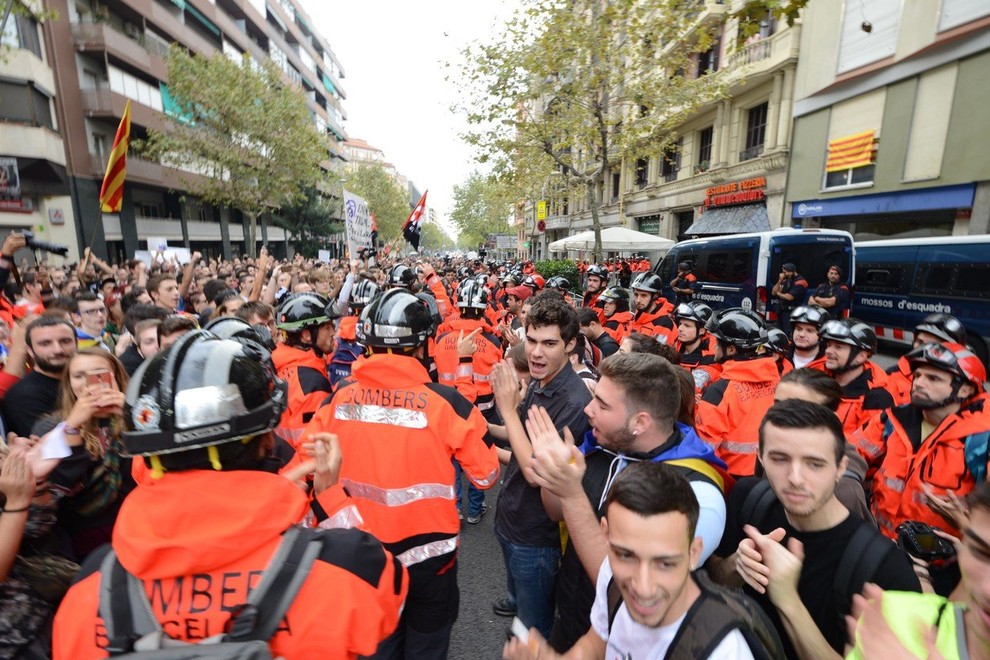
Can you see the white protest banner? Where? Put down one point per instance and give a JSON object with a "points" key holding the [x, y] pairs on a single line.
{"points": [[357, 220], [157, 243], [324, 256]]}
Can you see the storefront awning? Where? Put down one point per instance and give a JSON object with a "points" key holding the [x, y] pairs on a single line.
{"points": [[731, 220]]}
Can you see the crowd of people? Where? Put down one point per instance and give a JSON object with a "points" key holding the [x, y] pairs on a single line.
{"points": [[281, 454]]}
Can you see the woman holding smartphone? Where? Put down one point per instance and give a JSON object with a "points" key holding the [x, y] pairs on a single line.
{"points": [[83, 452]]}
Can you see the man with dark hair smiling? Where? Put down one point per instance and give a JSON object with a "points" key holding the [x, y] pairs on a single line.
{"points": [[530, 540], [51, 343], [648, 602], [633, 420]]}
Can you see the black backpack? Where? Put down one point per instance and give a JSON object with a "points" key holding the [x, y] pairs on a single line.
{"points": [[134, 632], [717, 612], [865, 552]]}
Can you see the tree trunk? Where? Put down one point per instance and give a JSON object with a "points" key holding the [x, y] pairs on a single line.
{"points": [[595, 221], [250, 231]]}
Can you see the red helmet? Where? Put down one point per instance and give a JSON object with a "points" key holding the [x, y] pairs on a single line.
{"points": [[954, 358]]}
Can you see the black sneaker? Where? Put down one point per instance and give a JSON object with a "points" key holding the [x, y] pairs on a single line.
{"points": [[504, 607], [474, 520]]}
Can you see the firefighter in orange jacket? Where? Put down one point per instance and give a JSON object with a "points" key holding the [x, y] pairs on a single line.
{"points": [[653, 311], [732, 407], [935, 328], [398, 433], [695, 344], [595, 283], [616, 310], [200, 533], [307, 319], [469, 372], [938, 440], [561, 285], [848, 347], [807, 351]]}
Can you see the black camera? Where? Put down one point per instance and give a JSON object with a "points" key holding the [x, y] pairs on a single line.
{"points": [[919, 540], [35, 244]]}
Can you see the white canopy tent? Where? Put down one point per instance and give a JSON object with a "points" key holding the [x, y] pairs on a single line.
{"points": [[614, 239]]}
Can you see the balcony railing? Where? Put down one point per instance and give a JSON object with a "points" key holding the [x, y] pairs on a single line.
{"points": [[750, 153], [754, 52]]}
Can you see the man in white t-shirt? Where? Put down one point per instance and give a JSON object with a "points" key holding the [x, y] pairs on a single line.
{"points": [[646, 588]]}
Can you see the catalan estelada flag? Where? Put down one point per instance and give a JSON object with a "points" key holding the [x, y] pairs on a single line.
{"points": [[410, 230], [112, 190], [851, 151]]}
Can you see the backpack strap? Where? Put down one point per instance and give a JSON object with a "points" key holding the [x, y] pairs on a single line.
{"points": [[614, 598], [866, 551], [755, 508], [128, 617], [702, 467], [283, 577], [123, 606]]}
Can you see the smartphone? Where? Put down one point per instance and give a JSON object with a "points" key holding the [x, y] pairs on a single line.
{"points": [[101, 379], [520, 630]]}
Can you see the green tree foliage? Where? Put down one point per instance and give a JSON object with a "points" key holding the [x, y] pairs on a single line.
{"points": [[433, 238], [560, 267], [18, 15], [310, 222], [246, 133], [753, 12], [386, 199], [482, 206], [580, 87]]}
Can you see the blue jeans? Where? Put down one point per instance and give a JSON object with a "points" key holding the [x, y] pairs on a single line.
{"points": [[475, 497], [531, 574]]}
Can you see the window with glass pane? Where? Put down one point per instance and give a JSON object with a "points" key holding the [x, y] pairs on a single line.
{"points": [[705, 138], [642, 168], [756, 126], [670, 162]]}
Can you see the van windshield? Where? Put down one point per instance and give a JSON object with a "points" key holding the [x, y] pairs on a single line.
{"points": [[812, 260]]}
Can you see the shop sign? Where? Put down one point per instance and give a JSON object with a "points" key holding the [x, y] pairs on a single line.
{"points": [[737, 192], [650, 225]]}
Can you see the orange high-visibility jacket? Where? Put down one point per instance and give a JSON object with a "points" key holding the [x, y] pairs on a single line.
{"points": [[899, 381], [863, 398], [898, 471], [469, 375], [398, 432], [200, 540], [617, 325], [657, 323], [306, 374], [731, 409]]}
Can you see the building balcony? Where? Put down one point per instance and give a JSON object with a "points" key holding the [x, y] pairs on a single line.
{"points": [[21, 64], [148, 172], [105, 38], [108, 104], [31, 142], [171, 230], [558, 222], [763, 56]]}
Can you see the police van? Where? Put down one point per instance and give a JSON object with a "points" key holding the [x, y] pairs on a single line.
{"points": [[901, 281], [740, 270]]}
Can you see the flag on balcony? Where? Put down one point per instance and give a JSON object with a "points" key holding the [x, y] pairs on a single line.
{"points": [[850, 151], [112, 190], [410, 230]]}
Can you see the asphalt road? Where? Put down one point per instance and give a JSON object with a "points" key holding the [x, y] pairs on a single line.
{"points": [[479, 634]]}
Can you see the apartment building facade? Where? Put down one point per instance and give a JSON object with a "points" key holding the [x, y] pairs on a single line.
{"points": [[727, 171], [910, 81], [100, 54]]}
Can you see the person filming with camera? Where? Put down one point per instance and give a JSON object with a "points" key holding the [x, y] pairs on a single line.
{"points": [[926, 450]]}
